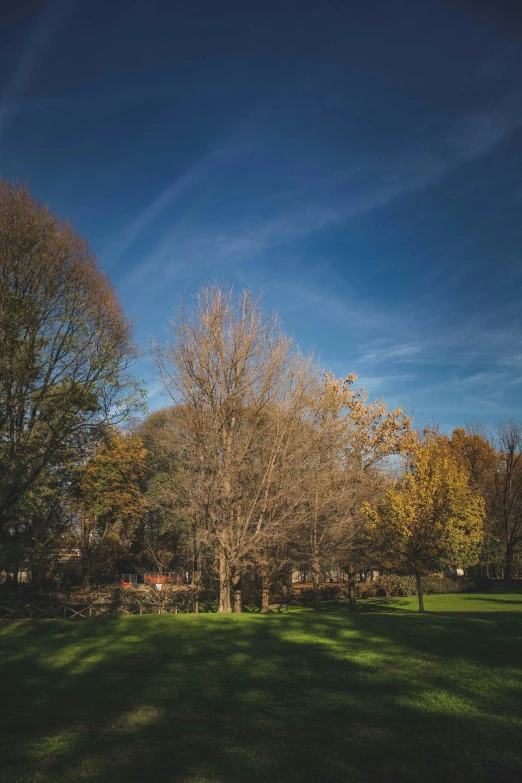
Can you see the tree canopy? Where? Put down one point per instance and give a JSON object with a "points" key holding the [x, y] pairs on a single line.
{"points": [[431, 519], [65, 346]]}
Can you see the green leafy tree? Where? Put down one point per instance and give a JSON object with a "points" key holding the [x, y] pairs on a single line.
{"points": [[109, 501], [65, 348], [168, 532], [32, 540]]}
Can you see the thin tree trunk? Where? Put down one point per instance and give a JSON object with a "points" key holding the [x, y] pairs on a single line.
{"points": [[236, 588], [509, 562], [224, 606], [352, 600], [316, 582], [196, 580], [86, 574], [419, 592], [195, 594], [288, 592]]}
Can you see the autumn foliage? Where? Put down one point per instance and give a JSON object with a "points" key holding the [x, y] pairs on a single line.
{"points": [[430, 519], [263, 467], [108, 501]]}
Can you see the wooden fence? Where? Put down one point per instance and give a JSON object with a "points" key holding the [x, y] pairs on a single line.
{"points": [[35, 610]]}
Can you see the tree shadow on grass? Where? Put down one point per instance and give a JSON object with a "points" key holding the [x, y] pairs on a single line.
{"points": [[384, 605], [366, 605], [492, 600], [292, 697]]}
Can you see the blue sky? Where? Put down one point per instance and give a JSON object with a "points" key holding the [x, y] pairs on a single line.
{"points": [[359, 163]]}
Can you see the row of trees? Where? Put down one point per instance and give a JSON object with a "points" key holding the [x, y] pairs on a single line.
{"points": [[274, 459], [261, 465]]}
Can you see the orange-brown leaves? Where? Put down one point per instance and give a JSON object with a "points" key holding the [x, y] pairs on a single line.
{"points": [[111, 485]]}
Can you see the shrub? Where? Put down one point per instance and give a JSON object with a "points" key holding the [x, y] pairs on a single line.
{"points": [[445, 584], [389, 586], [327, 592], [395, 585], [368, 589]]}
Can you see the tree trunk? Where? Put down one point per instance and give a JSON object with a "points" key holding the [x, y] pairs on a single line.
{"points": [[196, 581], [419, 592], [509, 562], [236, 588], [224, 606], [352, 600], [265, 590], [265, 599], [288, 592], [316, 582], [195, 596], [86, 574]]}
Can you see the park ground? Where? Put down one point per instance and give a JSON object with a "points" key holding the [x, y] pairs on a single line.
{"points": [[385, 695]]}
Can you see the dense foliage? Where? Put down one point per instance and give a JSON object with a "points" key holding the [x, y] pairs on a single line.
{"points": [[431, 519]]}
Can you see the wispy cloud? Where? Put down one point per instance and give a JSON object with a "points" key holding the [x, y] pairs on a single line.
{"points": [[476, 368], [320, 205], [386, 351], [265, 252], [514, 362], [39, 40], [157, 397], [375, 384], [488, 387], [217, 162]]}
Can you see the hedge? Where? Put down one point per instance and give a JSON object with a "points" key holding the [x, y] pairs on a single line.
{"points": [[392, 585]]}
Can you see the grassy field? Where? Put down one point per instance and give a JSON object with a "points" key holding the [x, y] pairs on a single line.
{"points": [[384, 695]]}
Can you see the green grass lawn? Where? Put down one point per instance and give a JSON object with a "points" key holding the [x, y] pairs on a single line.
{"points": [[385, 695], [474, 602]]}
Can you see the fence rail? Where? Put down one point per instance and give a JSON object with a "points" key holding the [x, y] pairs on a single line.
{"points": [[14, 610]]}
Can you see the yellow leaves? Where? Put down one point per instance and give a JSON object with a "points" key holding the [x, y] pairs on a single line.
{"points": [[431, 518], [477, 455], [371, 432]]}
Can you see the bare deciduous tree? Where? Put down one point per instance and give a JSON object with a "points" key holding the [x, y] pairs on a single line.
{"points": [[351, 437], [508, 489], [242, 389]]}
